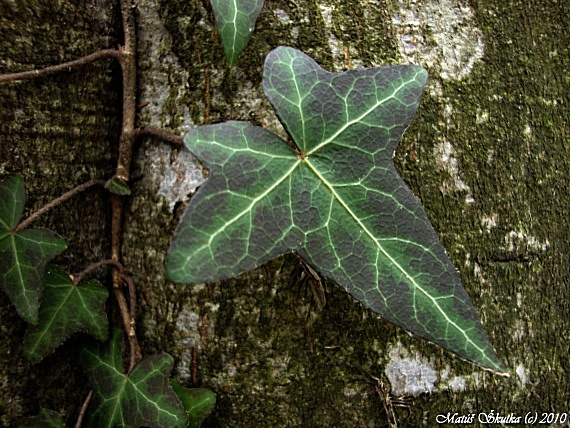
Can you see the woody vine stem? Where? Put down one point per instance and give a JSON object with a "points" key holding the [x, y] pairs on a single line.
{"points": [[126, 55]]}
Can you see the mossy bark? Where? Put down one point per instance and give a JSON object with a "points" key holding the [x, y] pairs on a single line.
{"points": [[57, 132], [487, 155]]}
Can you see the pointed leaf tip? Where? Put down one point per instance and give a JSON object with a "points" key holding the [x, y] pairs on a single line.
{"points": [[198, 402], [144, 397], [65, 310], [336, 199], [235, 21]]}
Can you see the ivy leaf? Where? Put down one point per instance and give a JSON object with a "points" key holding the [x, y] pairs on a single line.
{"points": [[23, 254], [45, 419], [66, 309], [335, 199], [141, 398], [235, 20], [198, 402], [117, 186]]}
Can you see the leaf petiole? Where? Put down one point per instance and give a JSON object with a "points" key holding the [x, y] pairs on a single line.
{"points": [[77, 279]]}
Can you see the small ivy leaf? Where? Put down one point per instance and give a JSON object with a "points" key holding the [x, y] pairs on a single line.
{"points": [[24, 254], [117, 186], [66, 309], [235, 20], [144, 397], [45, 419], [198, 402], [336, 200]]}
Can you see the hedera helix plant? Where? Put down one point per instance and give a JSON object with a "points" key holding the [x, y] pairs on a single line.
{"points": [[57, 305], [333, 196], [145, 395]]}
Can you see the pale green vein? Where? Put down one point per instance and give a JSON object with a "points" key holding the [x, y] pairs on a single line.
{"points": [[246, 210], [51, 321], [244, 150], [235, 29], [362, 116], [388, 256], [154, 403], [301, 114], [20, 274]]}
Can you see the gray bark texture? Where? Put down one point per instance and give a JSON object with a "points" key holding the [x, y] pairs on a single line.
{"points": [[488, 156]]}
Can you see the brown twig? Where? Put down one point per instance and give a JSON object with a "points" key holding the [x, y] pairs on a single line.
{"points": [[66, 66], [159, 133], [58, 201], [83, 410], [126, 144], [126, 55], [127, 312], [77, 279], [132, 294], [129, 71], [207, 94], [204, 329], [127, 141], [194, 365], [126, 316]]}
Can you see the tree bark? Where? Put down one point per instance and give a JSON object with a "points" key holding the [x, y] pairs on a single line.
{"points": [[487, 155]]}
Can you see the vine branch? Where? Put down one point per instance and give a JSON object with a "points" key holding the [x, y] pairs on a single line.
{"points": [[57, 201], [66, 66], [126, 55], [126, 144], [77, 279], [159, 133], [83, 409]]}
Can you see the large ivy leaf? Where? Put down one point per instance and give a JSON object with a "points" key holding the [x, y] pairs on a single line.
{"points": [[235, 20], [66, 309], [335, 199], [143, 397], [23, 254]]}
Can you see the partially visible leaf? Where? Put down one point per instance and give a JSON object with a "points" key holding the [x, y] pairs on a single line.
{"points": [[335, 199], [198, 402], [143, 397], [12, 199], [24, 254], [45, 419], [117, 186], [235, 20], [66, 309]]}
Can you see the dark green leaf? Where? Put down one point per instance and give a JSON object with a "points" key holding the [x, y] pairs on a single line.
{"points": [[141, 398], [198, 402], [336, 200], [45, 419], [24, 254], [66, 308], [12, 200], [117, 186], [235, 20]]}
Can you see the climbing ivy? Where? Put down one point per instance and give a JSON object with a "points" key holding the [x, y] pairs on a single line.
{"points": [[332, 196]]}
